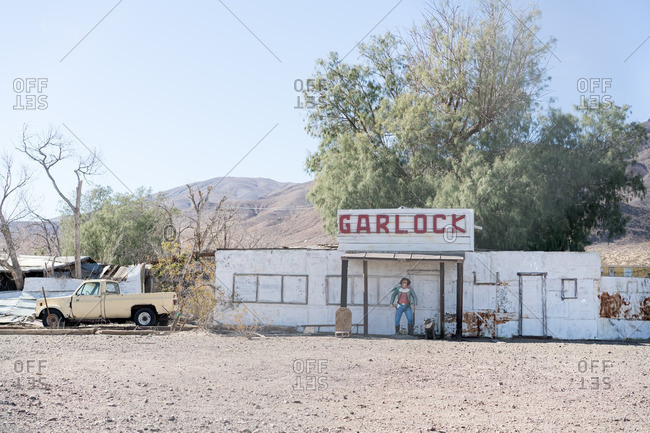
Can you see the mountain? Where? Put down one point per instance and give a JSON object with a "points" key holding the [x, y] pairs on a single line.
{"points": [[270, 213], [237, 189], [285, 218]]}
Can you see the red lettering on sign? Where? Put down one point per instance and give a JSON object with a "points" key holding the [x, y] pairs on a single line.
{"points": [[435, 223], [365, 228], [382, 223], [423, 220], [397, 229], [344, 225], [454, 219]]}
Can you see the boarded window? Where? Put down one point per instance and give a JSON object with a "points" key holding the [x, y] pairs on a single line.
{"points": [[245, 288], [333, 290], [271, 288], [379, 288], [295, 289], [569, 288]]}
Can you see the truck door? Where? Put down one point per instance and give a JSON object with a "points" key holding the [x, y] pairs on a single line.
{"points": [[87, 302], [114, 305]]}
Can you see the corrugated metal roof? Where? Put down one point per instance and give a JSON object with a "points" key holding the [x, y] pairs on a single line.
{"points": [[403, 256], [38, 263]]}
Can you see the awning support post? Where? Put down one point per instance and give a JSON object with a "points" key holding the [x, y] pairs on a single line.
{"points": [[459, 300], [442, 299], [365, 298], [344, 283]]}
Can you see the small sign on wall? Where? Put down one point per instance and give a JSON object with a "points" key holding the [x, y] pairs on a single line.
{"points": [[406, 230]]}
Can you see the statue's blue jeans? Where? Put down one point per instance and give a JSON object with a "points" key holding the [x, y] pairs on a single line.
{"points": [[405, 309]]}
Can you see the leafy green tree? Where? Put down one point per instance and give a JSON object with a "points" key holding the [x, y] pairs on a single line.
{"points": [[119, 229], [448, 117], [417, 102], [555, 193]]}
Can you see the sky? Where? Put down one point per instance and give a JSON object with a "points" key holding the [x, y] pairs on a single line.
{"points": [[170, 92]]}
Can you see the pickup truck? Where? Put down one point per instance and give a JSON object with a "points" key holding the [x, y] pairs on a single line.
{"points": [[101, 300]]}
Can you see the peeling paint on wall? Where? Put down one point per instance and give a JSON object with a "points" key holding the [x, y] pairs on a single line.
{"points": [[610, 305], [481, 323], [613, 307], [645, 309]]}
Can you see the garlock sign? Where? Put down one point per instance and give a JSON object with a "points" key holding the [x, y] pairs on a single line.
{"points": [[406, 230]]}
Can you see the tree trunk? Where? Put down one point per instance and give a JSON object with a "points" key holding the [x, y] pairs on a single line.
{"points": [[14, 266], [77, 232], [18, 276]]}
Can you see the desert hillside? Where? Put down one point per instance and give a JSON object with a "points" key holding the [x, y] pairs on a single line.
{"points": [[273, 214]]}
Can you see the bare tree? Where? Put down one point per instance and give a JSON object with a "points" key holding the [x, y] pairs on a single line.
{"points": [[210, 223], [49, 150], [12, 209], [46, 232]]}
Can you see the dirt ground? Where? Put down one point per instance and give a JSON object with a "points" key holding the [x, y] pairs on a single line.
{"points": [[204, 382]]}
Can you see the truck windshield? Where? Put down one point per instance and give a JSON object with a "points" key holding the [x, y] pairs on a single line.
{"points": [[91, 288]]}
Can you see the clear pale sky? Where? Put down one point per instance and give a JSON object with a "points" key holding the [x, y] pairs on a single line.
{"points": [[173, 92]]}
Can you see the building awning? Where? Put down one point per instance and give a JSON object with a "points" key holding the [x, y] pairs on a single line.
{"points": [[404, 256]]}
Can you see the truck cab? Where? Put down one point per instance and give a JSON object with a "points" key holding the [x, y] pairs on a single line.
{"points": [[101, 300]]}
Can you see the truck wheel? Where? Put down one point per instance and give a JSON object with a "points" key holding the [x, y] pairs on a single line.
{"points": [[144, 317], [53, 320]]}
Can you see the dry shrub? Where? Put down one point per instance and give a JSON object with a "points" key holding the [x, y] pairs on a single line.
{"points": [[192, 278]]}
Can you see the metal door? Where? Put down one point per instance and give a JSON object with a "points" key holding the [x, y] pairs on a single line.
{"points": [[532, 304]]}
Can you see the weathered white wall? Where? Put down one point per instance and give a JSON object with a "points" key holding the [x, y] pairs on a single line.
{"points": [[323, 268], [565, 318], [490, 307], [624, 308], [316, 264]]}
